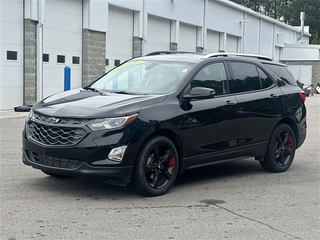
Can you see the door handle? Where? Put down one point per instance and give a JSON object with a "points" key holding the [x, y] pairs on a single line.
{"points": [[273, 96], [230, 103]]}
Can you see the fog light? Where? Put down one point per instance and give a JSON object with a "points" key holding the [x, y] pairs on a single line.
{"points": [[116, 154]]}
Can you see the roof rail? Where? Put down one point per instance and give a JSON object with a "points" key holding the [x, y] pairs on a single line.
{"points": [[167, 52], [238, 55]]}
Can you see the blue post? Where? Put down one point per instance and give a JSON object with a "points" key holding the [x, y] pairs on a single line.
{"points": [[67, 78]]}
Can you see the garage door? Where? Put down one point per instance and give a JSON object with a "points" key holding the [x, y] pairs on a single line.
{"points": [[11, 52], [232, 43], [119, 36], [158, 35], [62, 44], [212, 41], [187, 38]]}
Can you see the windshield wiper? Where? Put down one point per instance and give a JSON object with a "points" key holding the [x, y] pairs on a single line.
{"points": [[120, 92], [131, 93], [93, 89]]}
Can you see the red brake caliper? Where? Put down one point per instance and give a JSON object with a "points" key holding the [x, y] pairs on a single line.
{"points": [[290, 141], [171, 163]]}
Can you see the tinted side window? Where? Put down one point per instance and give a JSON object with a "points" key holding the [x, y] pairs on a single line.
{"points": [[265, 80], [212, 76], [282, 73], [246, 76]]}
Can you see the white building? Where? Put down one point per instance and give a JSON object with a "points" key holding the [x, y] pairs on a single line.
{"points": [[39, 38]]}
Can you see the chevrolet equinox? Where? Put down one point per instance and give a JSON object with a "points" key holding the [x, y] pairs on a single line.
{"points": [[153, 117]]}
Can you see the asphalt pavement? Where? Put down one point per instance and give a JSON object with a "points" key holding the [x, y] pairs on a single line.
{"points": [[237, 200]]}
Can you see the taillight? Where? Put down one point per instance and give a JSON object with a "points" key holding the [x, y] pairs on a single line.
{"points": [[303, 96]]}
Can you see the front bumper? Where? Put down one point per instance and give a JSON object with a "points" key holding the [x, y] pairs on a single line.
{"points": [[112, 175], [87, 158]]}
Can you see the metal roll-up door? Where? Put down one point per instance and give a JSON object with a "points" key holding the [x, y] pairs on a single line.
{"points": [[119, 36], [11, 52], [187, 38], [232, 43], [62, 44], [213, 41], [158, 35]]}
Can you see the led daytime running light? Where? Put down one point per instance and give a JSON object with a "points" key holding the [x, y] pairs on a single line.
{"points": [[111, 123]]}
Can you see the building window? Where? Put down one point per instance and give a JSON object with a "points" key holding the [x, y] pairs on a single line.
{"points": [[45, 57], [116, 62], [107, 62], [61, 59], [12, 55], [75, 60]]}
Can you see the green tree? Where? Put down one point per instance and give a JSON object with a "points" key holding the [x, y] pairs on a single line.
{"points": [[271, 8], [288, 11], [312, 10]]}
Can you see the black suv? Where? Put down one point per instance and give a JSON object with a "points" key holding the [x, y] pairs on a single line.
{"points": [[156, 116]]}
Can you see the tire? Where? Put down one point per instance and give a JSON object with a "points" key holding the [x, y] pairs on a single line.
{"points": [[281, 149], [55, 175], [156, 167]]}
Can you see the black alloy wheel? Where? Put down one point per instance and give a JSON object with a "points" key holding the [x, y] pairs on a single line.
{"points": [[281, 149], [156, 168]]}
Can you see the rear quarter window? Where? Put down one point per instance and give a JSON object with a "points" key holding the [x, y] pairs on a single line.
{"points": [[283, 73]]}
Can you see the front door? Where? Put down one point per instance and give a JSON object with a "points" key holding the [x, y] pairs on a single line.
{"points": [[212, 122]]}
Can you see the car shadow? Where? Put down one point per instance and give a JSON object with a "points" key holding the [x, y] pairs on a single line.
{"points": [[95, 188], [80, 187], [219, 172]]}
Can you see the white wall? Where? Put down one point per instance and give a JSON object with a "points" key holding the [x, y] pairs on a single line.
{"points": [[301, 53], [266, 39], [251, 39], [11, 38], [223, 19], [187, 11], [303, 73]]}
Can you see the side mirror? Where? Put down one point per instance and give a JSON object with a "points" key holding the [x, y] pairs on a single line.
{"points": [[200, 93]]}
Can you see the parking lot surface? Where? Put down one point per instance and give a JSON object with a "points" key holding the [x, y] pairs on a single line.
{"points": [[237, 200]]}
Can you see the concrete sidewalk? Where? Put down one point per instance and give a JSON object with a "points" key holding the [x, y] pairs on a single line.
{"points": [[12, 114]]}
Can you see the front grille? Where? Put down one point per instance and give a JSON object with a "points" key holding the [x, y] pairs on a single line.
{"points": [[49, 119], [53, 161], [55, 135]]}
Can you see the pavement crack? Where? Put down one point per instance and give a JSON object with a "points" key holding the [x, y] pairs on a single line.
{"points": [[257, 221]]}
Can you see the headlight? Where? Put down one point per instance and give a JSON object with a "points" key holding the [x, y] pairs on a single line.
{"points": [[30, 115], [111, 123]]}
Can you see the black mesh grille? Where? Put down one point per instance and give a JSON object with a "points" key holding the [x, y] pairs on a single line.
{"points": [[53, 161], [55, 135]]}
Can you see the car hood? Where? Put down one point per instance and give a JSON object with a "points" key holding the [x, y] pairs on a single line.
{"points": [[83, 103]]}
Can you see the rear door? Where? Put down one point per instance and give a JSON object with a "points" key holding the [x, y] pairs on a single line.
{"points": [[260, 107], [212, 122]]}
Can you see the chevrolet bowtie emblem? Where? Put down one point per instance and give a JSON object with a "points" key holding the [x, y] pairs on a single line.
{"points": [[54, 120]]}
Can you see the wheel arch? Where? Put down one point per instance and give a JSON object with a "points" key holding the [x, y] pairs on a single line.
{"points": [[180, 147], [293, 126]]}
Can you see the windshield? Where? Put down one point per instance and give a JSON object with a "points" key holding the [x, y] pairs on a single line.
{"points": [[145, 77]]}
